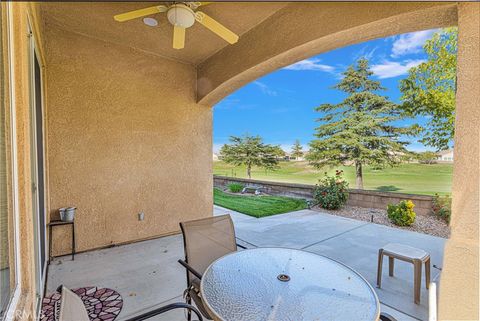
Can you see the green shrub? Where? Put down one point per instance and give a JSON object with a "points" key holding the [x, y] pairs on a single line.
{"points": [[402, 214], [332, 191], [427, 158], [235, 187], [442, 207]]}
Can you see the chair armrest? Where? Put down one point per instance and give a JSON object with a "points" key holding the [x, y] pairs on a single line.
{"points": [[190, 269], [179, 305], [386, 317], [241, 246]]}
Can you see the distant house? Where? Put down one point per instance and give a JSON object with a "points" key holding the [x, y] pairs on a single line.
{"points": [[215, 157], [289, 157], [298, 159], [445, 156]]}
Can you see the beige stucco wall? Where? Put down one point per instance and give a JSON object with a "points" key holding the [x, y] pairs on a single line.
{"points": [[125, 135], [459, 282]]}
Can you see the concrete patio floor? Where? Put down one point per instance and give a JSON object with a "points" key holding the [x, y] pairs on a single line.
{"points": [[147, 274]]}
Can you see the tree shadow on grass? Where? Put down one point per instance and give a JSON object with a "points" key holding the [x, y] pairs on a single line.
{"points": [[387, 188]]}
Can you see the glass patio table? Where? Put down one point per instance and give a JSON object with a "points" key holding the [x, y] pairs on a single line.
{"points": [[278, 284]]}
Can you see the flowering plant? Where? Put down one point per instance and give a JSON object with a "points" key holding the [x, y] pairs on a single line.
{"points": [[402, 214], [332, 191]]}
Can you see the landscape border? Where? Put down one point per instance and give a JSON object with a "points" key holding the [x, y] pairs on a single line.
{"points": [[357, 197]]}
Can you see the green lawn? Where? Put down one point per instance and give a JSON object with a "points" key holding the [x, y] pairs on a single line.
{"points": [[406, 178], [258, 206]]}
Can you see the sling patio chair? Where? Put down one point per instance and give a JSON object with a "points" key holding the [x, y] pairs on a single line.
{"points": [[205, 240], [72, 308]]}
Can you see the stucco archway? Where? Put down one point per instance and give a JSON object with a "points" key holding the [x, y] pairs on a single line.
{"points": [[302, 30], [307, 30]]}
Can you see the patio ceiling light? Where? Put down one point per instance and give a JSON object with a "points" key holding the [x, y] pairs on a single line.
{"points": [[150, 22], [181, 16]]}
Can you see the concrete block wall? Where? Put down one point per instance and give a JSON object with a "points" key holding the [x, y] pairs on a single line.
{"points": [[360, 198]]}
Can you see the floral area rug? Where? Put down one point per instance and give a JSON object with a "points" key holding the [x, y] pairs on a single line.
{"points": [[102, 304]]}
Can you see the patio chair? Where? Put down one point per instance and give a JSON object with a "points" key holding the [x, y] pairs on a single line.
{"points": [[72, 308], [205, 240], [386, 317]]}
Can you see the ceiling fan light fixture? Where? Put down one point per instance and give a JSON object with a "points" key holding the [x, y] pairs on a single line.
{"points": [[180, 15], [150, 22]]}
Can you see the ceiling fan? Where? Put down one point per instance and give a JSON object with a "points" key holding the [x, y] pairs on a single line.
{"points": [[182, 15]]}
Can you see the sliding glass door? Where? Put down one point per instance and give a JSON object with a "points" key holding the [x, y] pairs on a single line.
{"points": [[38, 172]]}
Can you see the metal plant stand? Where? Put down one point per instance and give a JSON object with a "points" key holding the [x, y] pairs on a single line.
{"points": [[51, 225]]}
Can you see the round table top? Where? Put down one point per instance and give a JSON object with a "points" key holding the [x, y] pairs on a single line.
{"points": [[278, 284]]}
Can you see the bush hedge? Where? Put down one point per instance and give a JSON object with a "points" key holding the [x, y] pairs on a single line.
{"points": [[235, 187], [442, 207], [332, 191], [402, 214]]}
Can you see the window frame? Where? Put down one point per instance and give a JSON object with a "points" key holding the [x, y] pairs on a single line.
{"points": [[11, 140]]}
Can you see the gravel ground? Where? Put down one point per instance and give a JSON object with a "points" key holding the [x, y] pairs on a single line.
{"points": [[426, 224]]}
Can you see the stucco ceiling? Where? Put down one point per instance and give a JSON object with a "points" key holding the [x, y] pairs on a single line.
{"points": [[96, 20]]}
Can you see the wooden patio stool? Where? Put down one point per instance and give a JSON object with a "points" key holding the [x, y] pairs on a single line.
{"points": [[408, 254]]}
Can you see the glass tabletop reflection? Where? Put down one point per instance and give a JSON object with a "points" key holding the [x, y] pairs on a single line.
{"points": [[278, 284]]}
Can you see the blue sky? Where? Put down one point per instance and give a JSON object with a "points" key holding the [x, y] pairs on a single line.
{"points": [[280, 106]]}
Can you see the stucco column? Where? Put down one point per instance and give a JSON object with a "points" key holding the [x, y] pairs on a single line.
{"points": [[459, 281]]}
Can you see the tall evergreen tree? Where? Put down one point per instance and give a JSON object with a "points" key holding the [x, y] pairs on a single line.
{"points": [[297, 149], [359, 129], [250, 151]]}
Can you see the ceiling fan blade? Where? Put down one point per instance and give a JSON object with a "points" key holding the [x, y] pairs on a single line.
{"points": [[178, 37], [139, 13], [216, 27]]}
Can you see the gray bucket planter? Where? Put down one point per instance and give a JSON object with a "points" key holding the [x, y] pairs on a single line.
{"points": [[67, 214]]}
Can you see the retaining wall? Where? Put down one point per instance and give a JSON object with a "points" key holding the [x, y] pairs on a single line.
{"points": [[360, 198]]}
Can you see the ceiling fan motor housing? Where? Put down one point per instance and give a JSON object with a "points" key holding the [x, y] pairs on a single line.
{"points": [[181, 15]]}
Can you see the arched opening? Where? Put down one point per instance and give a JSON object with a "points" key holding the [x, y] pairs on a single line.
{"points": [[216, 80], [280, 107]]}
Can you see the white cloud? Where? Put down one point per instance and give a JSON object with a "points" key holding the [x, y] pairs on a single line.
{"points": [[265, 88], [310, 64], [233, 103], [365, 52], [390, 69], [410, 43]]}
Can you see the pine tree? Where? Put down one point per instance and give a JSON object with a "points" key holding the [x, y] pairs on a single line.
{"points": [[359, 129], [250, 151], [297, 149]]}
